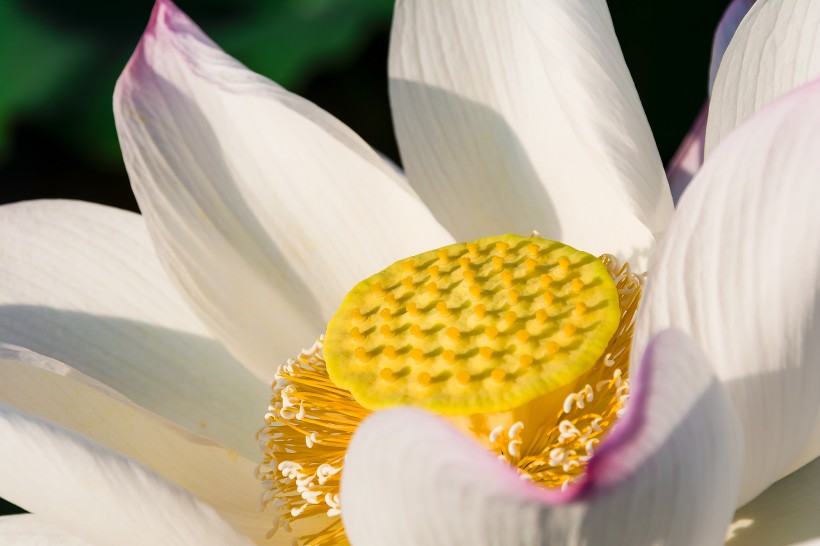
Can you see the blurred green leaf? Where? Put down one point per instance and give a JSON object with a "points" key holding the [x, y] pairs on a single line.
{"points": [[36, 63], [290, 40], [59, 60]]}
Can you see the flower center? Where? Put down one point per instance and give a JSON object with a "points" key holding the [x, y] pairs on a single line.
{"points": [[473, 328], [521, 342]]}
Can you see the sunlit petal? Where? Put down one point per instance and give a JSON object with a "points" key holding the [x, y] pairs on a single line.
{"points": [[264, 209], [81, 284], [31, 530], [774, 50], [514, 116], [55, 392], [96, 494]]}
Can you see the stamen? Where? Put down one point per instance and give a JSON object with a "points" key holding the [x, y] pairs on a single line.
{"points": [[303, 451], [397, 333]]}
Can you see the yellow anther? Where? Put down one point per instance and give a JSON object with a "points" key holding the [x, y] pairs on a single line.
{"points": [[502, 248], [453, 333], [472, 248], [409, 266], [480, 310], [580, 308], [390, 352], [416, 331], [385, 314], [564, 263], [498, 262], [515, 295], [522, 335], [449, 356], [531, 264], [569, 329], [549, 297], [408, 283], [463, 377], [525, 361], [507, 278], [434, 271], [510, 317], [552, 347], [476, 291], [424, 379], [362, 355], [378, 289], [469, 276], [534, 249], [491, 332], [390, 299], [464, 263], [433, 290], [541, 316], [417, 354], [498, 375], [387, 331], [577, 285], [443, 255], [546, 280], [356, 334], [413, 309], [443, 310], [486, 353], [387, 374]]}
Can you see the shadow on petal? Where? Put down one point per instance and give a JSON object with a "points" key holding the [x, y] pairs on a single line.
{"points": [[477, 178], [784, 514], [209, 398]]}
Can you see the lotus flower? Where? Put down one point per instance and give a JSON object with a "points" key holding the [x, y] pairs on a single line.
{"points": [[129, 418]]}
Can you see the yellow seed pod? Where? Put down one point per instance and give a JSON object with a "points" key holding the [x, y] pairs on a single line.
{"points": [[461, 350]]}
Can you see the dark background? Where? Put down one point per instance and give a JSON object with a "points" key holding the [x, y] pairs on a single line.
{"points": [[59, 61]]}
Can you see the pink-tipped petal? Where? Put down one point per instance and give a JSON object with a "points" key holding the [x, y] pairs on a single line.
{"points": [[668, 473], [774, 50], [734, 14], [739, 271], [689, 157], [264, 209], [514, 116], [96, 494]]}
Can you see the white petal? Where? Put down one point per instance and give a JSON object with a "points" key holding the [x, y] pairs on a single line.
{"points": [[740, 272], [53, 391], [689, 157], [31, 530], [774, 50], [81, 283], [668, 473], [521, 115], [264, 209], [734, 14], [785, 514], [96, 494]]}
